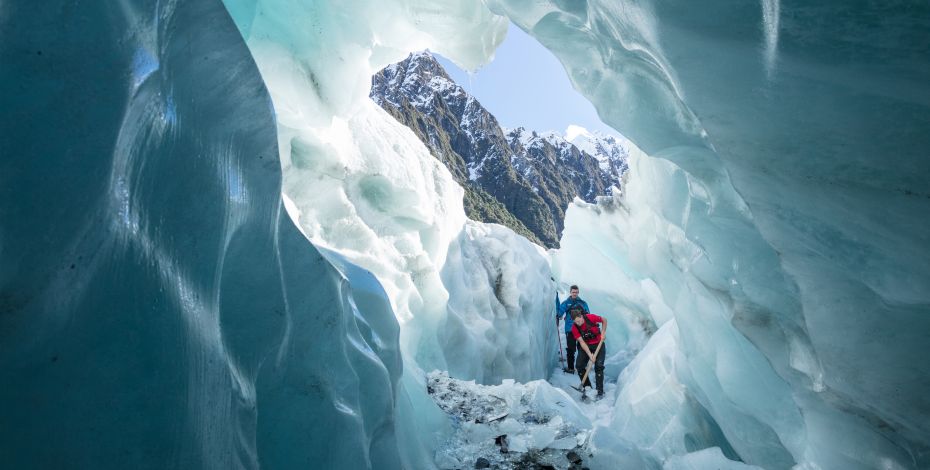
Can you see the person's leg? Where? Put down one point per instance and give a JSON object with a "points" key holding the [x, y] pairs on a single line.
{"points": [[580, 365], [599, 369], [570, 346]]}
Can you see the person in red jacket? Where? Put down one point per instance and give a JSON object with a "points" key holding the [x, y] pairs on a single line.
{"points": [[589, 335]]}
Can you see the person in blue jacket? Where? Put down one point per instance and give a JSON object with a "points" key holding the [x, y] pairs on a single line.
{"points": [[570, 345]]}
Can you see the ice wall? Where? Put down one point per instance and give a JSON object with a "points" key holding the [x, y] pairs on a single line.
{"points": [[783, 219], [172, 317], [158, 308], [473, 300]]}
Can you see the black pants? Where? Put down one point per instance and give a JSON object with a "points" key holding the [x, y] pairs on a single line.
{"points": [[598, 365], [570, 346]]}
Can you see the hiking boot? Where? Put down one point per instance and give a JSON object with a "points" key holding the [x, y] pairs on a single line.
{"points": [[600, 394], [569, 371]]}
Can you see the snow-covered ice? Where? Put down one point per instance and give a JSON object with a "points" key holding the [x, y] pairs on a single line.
{"points": [[512, 425]]}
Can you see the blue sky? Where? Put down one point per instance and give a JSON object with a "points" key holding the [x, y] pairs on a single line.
{"points": [[525, 85]]}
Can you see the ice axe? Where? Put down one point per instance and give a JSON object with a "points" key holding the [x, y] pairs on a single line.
{"points": [[587, 370]]}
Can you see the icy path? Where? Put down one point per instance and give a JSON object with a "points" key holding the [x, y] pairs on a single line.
{"points": [[598, 411], [539, 424]]}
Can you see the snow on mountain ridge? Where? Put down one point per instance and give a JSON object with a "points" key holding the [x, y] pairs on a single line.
{"points": [[424, 81], [532, 175], [611, 155], [611, 152]]}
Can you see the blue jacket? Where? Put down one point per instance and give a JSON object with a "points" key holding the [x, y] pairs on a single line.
{"points": [[565, 306]]}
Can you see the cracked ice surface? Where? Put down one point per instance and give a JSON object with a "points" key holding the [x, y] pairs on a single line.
{"points": [[510, 424]]}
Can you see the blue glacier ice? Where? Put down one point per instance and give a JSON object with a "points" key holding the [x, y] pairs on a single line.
{"points": [[781, 215], [159, 307], [216, 252]]}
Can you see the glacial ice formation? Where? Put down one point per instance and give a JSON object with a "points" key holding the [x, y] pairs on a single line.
{"points": [[784, 225], [159, 309], [746, 234], [508, 423], [471, 299]]}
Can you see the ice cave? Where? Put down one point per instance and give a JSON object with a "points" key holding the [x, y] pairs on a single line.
{"points": [[228, 256]]}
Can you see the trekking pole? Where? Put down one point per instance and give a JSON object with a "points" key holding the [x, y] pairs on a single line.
{"points": [[557, 332]]}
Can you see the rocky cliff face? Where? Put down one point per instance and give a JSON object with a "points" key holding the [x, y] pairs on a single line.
{"points": [[518, 178]]}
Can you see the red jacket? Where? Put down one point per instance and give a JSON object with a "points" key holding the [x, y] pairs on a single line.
{"points": [[593, 328]]}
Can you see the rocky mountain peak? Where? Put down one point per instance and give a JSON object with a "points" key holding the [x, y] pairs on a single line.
{"points": [[419, 79], [520, 178]]}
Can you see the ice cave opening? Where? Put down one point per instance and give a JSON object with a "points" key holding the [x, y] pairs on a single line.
{"points": [[722, 240], [232, 257], [523, 178], [729, 238]]}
